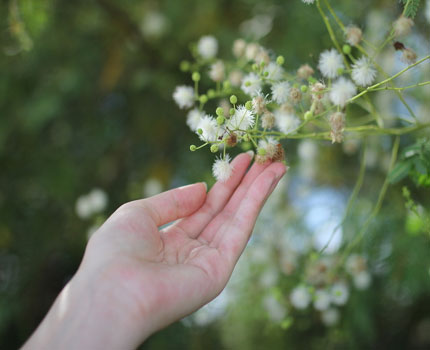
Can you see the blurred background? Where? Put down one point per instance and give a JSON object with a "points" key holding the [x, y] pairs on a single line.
{"points": [[87, 122]]}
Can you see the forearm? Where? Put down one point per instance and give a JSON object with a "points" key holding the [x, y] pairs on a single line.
{"points": [[83, 317]]}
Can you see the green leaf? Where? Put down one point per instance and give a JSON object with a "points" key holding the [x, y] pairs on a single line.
{"points": [[400, 171], [411, 8]]}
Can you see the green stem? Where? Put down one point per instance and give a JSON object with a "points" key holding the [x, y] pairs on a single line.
{"points": [[331, 33], [352, 198], [377, 207], [402, 88]]}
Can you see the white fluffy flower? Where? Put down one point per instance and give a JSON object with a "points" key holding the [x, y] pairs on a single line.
{"points": [[402, 26], [363, 72], [154, 24], [274, 71], [362, 280], [300, 297], [308, 1], [91, 203], [274, 308], [339, 293], [209, 128], [322, 300], [193, 118], [222, 168], [330, 317], [341, 91], [330, 63], [251, 84], [207, 46], [184, 96], [242, 119], [280, 92], [217, 71], [270, 145], [286, 122]]}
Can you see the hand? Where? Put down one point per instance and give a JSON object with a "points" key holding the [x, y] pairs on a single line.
{"points": [[138, 278]]}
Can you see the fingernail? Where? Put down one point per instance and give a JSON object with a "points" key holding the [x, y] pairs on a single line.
{"points": [[206, 185], [250, 154]]}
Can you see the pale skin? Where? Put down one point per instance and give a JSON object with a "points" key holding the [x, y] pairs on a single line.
{"points": [[136, 278]]}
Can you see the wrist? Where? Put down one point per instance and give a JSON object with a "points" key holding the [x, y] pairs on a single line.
{"points": [[87, 315]]}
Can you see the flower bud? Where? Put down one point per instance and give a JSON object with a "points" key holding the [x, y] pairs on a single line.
{"points": [[220, 120], [193, 148], [233, 99], [280, 60], [248, 105], [195, 76], [346, 49], [203, 99], [219, 111], [214, 148]]}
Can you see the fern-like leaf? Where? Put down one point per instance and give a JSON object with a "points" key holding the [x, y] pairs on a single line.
{"points": [[411, 8]]}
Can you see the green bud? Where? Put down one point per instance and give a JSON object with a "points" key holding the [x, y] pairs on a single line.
{"points": [[214, 148], [219, 111], [195, 76], [248, 105], [340, 71], [232, 111], [203, 99], [200, 131], [312, 80], [304, 88], [226, 84], [261, 151], [280, 60], [308, 115], [184, 66], [255, 66], [262, 64], [346, 49], [193, 148], [266, 73], [233, 99], [211, 93], [246, 137], [220, 120], [248, 83], [246, 146]]}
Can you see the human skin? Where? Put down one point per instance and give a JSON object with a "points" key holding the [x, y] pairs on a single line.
{"points": [[136, 278]]}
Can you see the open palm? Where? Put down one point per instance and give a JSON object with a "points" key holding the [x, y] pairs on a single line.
{"points": [[164, 274]]}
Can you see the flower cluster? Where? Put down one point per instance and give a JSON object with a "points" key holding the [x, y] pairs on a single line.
{"points": [[259, 102]]}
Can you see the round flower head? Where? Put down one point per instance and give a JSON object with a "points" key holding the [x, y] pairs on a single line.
{"points": [[239, 47], [339, 293], [363, 72], [251, 51], [273, 71], [286, 122], [209, 128], [280, 92], [305, 71], [408, 56], [184, 96], [222, 168], [242, 119], [235, 77], [362, 280], [259, 104], [251, 84], [207, 46], [353, 35], [341, 91], [330, 317], [300, 297], [193, 118], [322, 300], [270, 145], [217, 71], [403, 26], [330, 63]]}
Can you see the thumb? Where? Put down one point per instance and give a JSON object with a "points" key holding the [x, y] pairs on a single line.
{"points": [[175, 204]]}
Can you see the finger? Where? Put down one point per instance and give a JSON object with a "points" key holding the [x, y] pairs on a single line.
{"points": [[236, 232], [216, 198], [232, 205], [174, 204]]}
